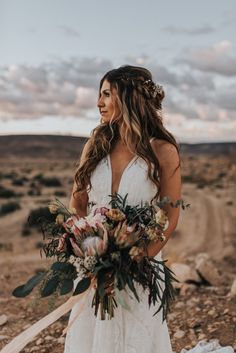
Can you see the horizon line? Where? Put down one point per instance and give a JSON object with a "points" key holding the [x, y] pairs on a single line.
{"points": [[87, 136]]}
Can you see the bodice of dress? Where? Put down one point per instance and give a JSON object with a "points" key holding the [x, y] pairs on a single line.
{"points": [[134, 182]]}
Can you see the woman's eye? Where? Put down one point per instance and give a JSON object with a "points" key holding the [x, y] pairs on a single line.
{"points": [[107, 94]]}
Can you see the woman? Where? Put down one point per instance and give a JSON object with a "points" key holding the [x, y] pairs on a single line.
{"points": [[129, 152]]}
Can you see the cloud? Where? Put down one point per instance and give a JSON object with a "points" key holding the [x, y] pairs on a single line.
{"points": [[69, 31], [225, 97], [204, 29], [216, 59], [61, 91], [68, 88]]}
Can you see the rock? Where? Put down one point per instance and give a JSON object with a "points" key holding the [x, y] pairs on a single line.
{"points": [[213, 313], [3, 319], [179, 334], [208, 270], [226, 311], [172, 316], [39, 341], [208, 302], [212, 329], [194, 323], [228, 252], [3, 337], [48, 338], [184, 273], [61, 340], [190, 303], [232, 292], [187, 288], [202, 336], [179, 305], [34, 349]]}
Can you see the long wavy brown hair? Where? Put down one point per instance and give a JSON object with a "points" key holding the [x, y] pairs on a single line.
{"points": [[140, 104]]}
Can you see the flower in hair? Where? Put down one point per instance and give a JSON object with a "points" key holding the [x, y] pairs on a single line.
{"points": [[154, 88]]}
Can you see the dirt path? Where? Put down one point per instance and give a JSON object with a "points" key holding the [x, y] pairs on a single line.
{"points": [[201, 227]]}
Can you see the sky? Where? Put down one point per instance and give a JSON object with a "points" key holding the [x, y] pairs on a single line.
{"points": [[53, 54]]}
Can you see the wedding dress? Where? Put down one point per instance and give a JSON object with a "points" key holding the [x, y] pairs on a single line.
{"points": [[135, 330], [130, 331]]}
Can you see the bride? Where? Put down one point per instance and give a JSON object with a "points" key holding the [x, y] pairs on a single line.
{"points": [[129, 152]]}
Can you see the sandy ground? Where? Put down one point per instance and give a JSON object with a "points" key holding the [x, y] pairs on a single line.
{"points": [[207, 226]]}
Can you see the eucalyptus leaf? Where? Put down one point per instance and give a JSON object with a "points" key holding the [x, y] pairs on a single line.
{"points": [[66, 286], [62, 266], [82, 286], [50, 286], [25, 289]]}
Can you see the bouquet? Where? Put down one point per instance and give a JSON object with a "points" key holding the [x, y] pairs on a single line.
{"points": [[106, 249]]}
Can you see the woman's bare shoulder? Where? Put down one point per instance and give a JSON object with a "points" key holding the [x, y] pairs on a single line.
{"points": [[85, 150], [165, 151]]}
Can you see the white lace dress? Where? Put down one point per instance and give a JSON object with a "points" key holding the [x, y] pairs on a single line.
{"points": [[130, 331]]}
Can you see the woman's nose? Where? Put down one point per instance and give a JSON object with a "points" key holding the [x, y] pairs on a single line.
{"points": [[100, 102]]}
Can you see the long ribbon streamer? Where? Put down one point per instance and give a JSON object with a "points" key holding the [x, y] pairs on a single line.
{"points": [[20, 341]]}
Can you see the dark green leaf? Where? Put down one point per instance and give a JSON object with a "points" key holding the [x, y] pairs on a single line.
{"points": [[50, 286], [20, 292], [25, 289], [66, 286], [132, 287], [62, 266], [82, 286]]}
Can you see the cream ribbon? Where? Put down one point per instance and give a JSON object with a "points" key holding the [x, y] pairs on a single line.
{"points": [[20, 341]]}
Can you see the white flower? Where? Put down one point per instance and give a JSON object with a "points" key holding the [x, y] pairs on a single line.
{"points": [[81, 223], [94, 246], [162, 219], [95, 220], [90, 262]]}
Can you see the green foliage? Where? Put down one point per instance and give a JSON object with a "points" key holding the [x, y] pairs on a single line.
{"points": [[38, 216], [50, 286], [66, 286], [25, 289], [19, 181], [50, 181], [60, 193], [9, 207], [6, 193], [82, 286]]}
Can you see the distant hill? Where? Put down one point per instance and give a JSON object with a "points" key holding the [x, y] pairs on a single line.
{"points": [[41, 146], [69, 147], [213, 148]]}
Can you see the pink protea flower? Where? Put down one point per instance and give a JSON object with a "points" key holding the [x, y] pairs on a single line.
{"points": [[97, 220], [76, 249], [96, 245], [81, 223], [75, 225], [70, 222], [126, 235], [62, 243], [101, 210]]}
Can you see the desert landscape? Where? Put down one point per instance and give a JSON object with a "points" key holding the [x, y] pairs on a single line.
{"points": [[201, 251]]}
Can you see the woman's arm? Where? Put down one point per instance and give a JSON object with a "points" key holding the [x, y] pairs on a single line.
{"points": [[170, 185], [79, 201]]}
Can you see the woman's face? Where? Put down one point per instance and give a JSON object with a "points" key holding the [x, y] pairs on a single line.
{"points": [[107, 103]]}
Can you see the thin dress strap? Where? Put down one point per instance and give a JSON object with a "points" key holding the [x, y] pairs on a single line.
{"points": [[153, 138]]}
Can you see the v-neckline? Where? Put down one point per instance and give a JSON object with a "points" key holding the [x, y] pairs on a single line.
{"points": [[122, 174]]}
